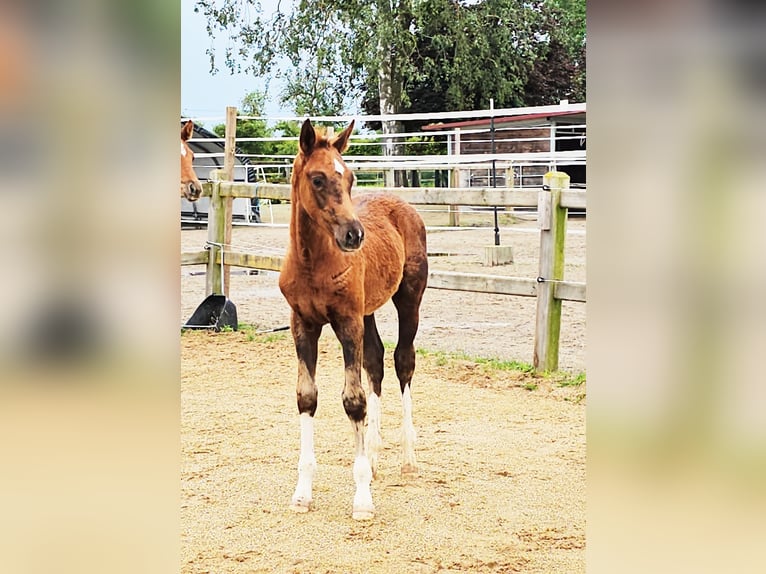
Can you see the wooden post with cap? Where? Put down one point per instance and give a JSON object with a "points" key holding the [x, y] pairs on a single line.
{"points": [[552, 218], [228, 175]]}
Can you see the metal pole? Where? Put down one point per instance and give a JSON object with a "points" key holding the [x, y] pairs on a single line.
{"points": [[494, 172]]}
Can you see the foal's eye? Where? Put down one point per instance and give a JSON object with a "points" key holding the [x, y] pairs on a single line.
{"points": [[317, 181]]}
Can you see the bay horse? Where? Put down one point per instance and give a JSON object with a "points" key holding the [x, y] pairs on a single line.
{"points": [[345, 259], [191, 188]]}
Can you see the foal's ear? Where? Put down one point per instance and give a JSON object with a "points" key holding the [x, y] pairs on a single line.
{"points": [[308, 137], [187, 130], [341, 142]]}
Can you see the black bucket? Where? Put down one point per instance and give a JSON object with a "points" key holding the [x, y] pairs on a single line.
{"points": [[215, 312]]}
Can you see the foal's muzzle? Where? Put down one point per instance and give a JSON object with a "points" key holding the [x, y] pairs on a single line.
{"points": [[191, 191], [350, 236]]}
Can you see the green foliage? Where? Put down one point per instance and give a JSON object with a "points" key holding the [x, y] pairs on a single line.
{"points": [[365, 146], [252, 104], [573, 381], [498, 365], [425, 145], [479, 52], [252, 334], [318, 48], [515, 53], [559, 71], [402, 55]]}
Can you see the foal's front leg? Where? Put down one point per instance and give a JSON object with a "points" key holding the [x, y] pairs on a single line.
{"points": [[350, 332], [306, 336]]}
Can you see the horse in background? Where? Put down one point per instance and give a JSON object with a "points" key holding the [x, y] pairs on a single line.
{"points": [[345, 259], [191, 188]]}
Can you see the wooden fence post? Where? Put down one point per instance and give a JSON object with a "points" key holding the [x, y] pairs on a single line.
{"points": [[553, 220], [454, 210], [216, 225], [228, 175]]}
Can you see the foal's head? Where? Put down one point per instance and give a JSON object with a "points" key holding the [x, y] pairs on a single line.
{"points": [[191, 188], [322, 182]]}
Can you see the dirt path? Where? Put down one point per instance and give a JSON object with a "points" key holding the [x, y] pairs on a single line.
{"points": [[502, 469]]}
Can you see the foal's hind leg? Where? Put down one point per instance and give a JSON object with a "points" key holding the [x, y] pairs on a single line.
{"points": [[373, 364], [407, 301]]}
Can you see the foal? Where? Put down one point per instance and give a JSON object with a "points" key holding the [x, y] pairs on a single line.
{"points": [[191, 188], [346, 258]]}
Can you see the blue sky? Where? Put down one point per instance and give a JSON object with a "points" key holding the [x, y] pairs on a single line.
{"points": [[202, 93]]}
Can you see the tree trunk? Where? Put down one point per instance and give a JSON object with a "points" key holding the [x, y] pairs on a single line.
{"points": [[390, 94]]}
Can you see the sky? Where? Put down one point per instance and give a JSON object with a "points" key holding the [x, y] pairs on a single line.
{"points": [[204, 94]]}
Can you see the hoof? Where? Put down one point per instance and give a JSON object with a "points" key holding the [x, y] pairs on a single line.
{"points": [[363, 514], [409, 469], [300, 506]]}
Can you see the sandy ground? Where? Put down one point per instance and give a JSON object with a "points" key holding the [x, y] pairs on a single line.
{"points": [[502, 467], [501, 486]]}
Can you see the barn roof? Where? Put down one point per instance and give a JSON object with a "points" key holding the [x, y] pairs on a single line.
{"points": [[523, 120]]}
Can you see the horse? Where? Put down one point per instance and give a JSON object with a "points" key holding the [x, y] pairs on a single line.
{"points": [[191, 188], [346, 258]]}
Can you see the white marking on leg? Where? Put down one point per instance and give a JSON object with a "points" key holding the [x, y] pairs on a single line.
{"points": [[372, 440], [363, 507], [409, 463], [183, 150], [307, 465]]}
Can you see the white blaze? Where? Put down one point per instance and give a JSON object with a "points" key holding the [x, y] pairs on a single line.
{"points": [[339, 167]]}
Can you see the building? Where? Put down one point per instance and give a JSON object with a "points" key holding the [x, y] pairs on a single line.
{"points": [[522, 146]]}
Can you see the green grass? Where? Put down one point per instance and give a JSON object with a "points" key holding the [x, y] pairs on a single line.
{"points": [[531, 381], [499, 365], [252, 335], [572, 380], [491, 363]]}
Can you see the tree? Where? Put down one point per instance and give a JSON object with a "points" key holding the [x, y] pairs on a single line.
{"points": [[559, 72], [395, 55], [515, 53], [467, 54], [332, 48], [252, 104]]}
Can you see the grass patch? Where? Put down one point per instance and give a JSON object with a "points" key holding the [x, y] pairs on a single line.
{"points": [[498, 365], [490, 364], [252, 334], [573, 380], [525, 376]]}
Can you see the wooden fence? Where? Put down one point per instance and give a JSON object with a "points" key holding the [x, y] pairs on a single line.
{"points": [[552, 202]]}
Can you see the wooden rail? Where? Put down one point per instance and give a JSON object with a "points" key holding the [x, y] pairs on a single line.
{"points": [[450, 280], [549, 287], [473, 196]]}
